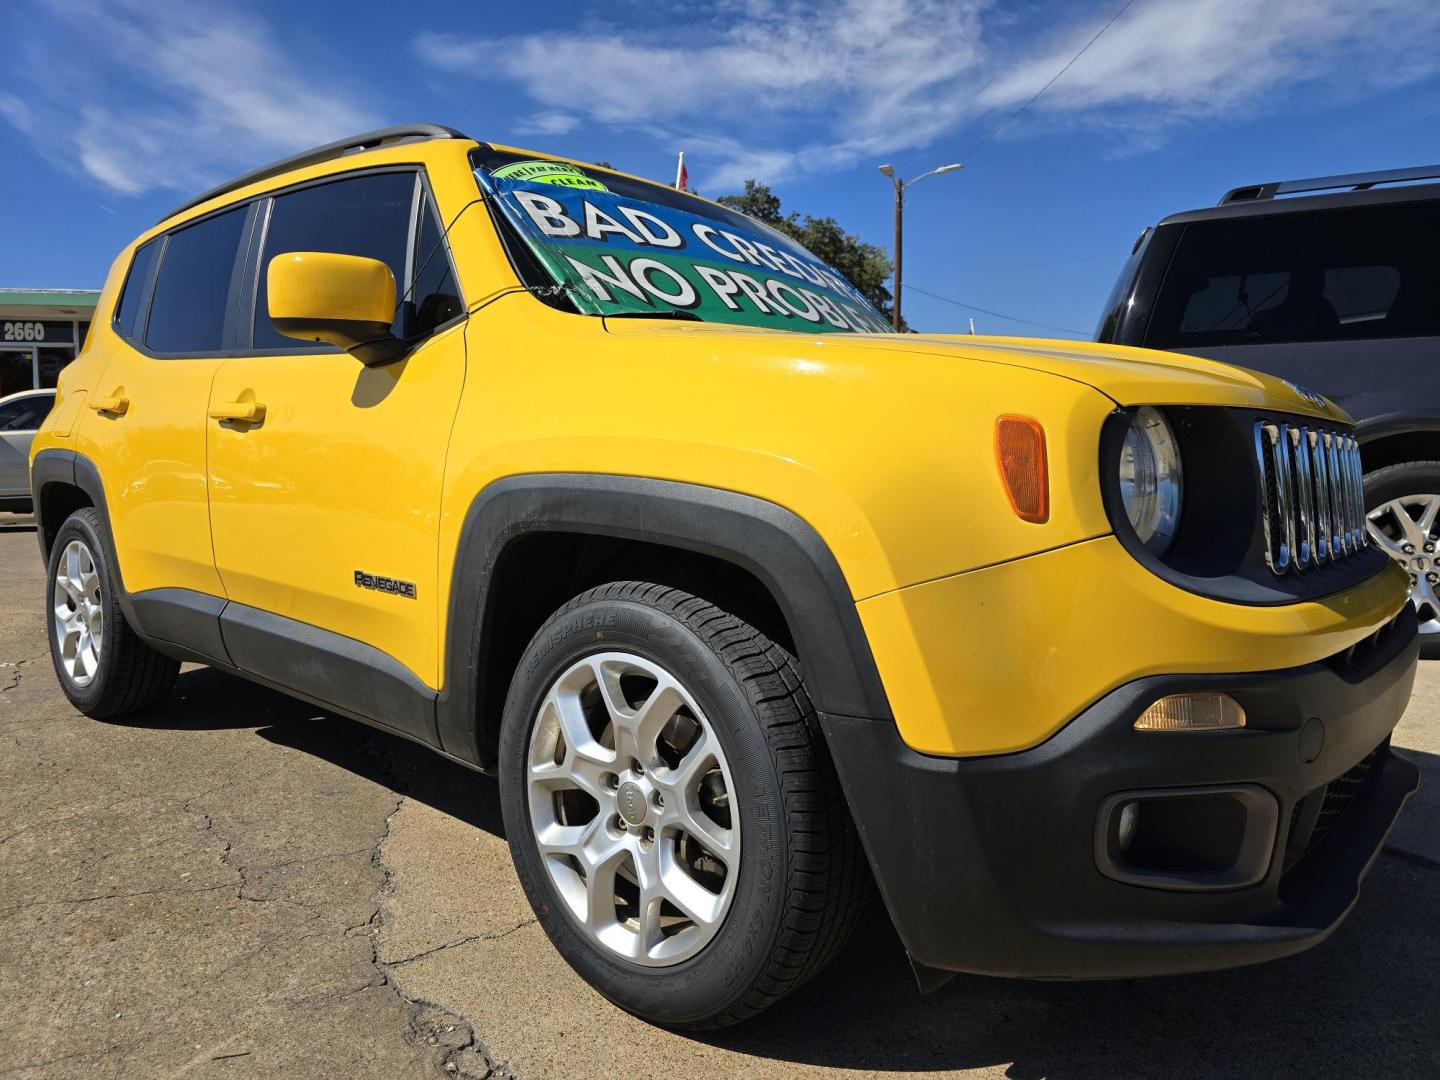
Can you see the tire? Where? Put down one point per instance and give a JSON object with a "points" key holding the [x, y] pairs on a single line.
{"points": [[121, 674], [799, 878], [1409, 484]]}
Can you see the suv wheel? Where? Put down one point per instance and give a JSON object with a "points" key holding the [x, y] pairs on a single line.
{"points": [[674, 817], [1402, 507], [104, 668]]}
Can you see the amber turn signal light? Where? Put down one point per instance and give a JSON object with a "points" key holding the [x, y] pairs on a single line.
{"points": [[1192, 712], [1020, 452]]}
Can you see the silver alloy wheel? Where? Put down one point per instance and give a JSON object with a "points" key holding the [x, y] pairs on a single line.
{"points": [[629, 796], [1405, 528], [79, 613]]}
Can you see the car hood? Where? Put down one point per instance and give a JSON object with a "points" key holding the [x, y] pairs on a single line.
{"points": [[1127, 376]]}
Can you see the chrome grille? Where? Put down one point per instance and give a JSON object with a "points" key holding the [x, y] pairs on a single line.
{"points": [[1313, 502]]}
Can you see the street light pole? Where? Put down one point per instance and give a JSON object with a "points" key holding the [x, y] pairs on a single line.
{"points": [[900, 186]]}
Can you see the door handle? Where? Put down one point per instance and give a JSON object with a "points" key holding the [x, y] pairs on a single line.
{"points": [[240, 412], [115, 406]]}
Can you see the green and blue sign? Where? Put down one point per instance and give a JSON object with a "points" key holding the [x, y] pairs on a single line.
{"points": [[623, 253]]}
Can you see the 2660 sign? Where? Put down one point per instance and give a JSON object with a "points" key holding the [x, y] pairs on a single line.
{"points": [[22, 331]]}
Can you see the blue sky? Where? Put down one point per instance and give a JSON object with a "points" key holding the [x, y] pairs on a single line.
{"points": [[113, 111]]}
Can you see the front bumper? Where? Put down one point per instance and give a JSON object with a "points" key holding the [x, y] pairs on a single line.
{"points": [[991, 864]]}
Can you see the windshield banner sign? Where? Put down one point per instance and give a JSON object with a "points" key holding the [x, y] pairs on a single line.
{"points": [[622, 254]]}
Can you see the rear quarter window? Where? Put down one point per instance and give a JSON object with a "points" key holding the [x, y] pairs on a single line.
{"points": [[1323, 275], [137, 282]]}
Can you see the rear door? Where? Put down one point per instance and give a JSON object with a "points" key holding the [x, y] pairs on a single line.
{"points": [[325, 512], [145, 424]]}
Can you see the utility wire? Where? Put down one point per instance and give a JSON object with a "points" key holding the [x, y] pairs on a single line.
{"points": [[1054, 79], [996, 131], [996, 314]]}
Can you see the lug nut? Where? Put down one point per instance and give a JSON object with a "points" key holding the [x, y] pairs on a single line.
{"points": [[649, 835], [612, 781], [637, 768], [659, 800], [1432, 578], [1409, 549]]}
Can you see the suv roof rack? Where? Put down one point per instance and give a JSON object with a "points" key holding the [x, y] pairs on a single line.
{"points": [[1354, 181], [370, 140]]}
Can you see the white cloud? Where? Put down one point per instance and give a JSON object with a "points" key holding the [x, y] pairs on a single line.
{"points": [[771, 89], [167, 94], [548, 123], [1173, 59], [833, 80]]}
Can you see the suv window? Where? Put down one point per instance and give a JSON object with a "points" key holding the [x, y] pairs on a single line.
{"points": [[1323, 275], [363, 215], [27, 413], [127, 312], [187, 314]]}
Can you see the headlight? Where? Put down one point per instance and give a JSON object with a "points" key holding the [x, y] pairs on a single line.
{"points": [[1150, 479]]}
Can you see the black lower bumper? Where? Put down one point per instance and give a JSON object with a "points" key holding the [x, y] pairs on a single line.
{"points": [[1000, 866]]}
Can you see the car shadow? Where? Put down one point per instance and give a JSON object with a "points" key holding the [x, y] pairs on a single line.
{"points": [[206, 699], [16, 523], [1362, 1003]]}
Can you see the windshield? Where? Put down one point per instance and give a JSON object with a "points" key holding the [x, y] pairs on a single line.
{"points": [[613, 245]]}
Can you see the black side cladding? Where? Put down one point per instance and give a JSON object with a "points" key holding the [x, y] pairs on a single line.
{"points": [[776, 546]]}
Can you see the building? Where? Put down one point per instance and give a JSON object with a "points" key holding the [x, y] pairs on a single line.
{"points": [[41, 330]]}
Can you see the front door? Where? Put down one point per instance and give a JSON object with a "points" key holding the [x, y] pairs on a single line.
{"points": [[325, 508]]}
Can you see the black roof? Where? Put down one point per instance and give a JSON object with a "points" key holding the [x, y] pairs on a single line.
{"points": [[355, 144]]}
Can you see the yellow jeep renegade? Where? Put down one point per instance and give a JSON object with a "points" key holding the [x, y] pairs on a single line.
{"points": [[1079, 652]]}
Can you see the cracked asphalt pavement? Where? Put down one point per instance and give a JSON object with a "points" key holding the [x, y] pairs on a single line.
{"points": [[237, 884]]}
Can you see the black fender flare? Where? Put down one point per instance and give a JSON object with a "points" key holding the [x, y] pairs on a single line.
{"points": [[1375, 428], [773, 544], [58, 466]]}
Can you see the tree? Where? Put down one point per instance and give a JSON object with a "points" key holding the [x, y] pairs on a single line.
{"points": [[866, 266]]}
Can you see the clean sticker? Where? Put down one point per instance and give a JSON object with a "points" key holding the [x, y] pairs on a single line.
{"points": [[556, 173]]}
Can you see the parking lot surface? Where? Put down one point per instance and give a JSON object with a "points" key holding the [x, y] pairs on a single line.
{"points": [[239, 885]]}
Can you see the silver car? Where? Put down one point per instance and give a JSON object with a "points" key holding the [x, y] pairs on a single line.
{"points": [[20, 416]]}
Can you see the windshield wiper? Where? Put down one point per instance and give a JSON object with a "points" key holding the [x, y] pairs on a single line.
{"points": [[674, 313]]}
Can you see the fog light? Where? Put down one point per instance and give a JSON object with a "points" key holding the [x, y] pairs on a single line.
{"points": [[1192, 712], [1129, 822]]}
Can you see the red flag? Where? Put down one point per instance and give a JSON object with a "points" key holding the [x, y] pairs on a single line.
{"points": [[681, 176]]}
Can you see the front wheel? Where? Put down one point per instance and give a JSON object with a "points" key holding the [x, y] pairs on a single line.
{"points": [[673, 814]]}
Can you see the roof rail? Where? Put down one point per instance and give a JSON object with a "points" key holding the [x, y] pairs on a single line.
{"points": [[370, 140], [1354, 181]]}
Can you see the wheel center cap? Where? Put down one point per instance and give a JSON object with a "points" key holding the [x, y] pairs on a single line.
{"points": [[630, 802], [1420, 563]]}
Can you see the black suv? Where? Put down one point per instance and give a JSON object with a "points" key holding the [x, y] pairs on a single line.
{"points": [[1333, 283]]}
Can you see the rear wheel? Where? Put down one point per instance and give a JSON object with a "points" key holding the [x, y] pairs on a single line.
{"points": [[103, 667], [1403, 516], [673, 815]]}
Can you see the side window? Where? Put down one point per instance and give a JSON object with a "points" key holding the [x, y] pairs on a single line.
{"points": [[127, 312], [364, 215], [187, 314], [26, 414], [433, 298]]}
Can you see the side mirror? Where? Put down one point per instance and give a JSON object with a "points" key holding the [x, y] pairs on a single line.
{"points": [[346, 300]]}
